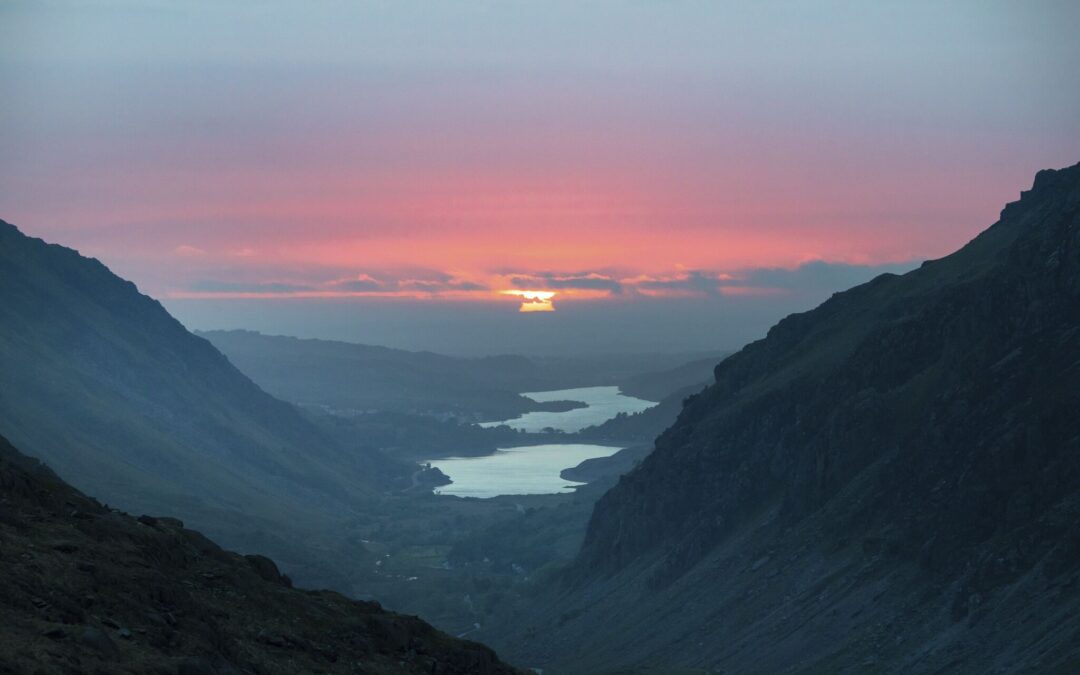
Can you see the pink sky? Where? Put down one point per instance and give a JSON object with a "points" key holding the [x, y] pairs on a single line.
{"points": [[549, 145]]}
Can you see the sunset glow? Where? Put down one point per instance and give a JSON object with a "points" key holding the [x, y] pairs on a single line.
{"points": [[398, 155], [534, 301]]}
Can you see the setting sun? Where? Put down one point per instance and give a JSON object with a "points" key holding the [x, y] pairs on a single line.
{"points": [[534, 301]]}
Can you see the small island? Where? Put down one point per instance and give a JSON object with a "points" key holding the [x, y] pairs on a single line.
{"points": [[558, 406]]}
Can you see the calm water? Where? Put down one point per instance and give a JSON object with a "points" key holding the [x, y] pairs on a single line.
{"points": [[603, 404], [530, 470], [534, 469]]}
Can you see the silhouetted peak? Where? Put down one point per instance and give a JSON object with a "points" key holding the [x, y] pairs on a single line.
{"points": [[7, 229], [1049, 184], [1049, 179]]}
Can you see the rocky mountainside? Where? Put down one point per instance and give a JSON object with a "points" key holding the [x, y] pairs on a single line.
{"points": [[887, 483], [89, 589], [117, 397]]}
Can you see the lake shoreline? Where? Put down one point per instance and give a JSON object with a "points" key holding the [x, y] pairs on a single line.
{"points": [[524, 470], [550, 444]]}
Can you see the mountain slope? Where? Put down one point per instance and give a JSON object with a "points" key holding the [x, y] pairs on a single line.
{"points": [[118, 398], [644, 426], [887, 483], [658, 385], [88, 589], [346, 377], [669, 387], [350, 377]]}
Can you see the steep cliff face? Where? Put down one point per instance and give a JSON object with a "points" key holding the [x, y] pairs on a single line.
{"points": [[962, 371], [87, 589], [917, 435]]}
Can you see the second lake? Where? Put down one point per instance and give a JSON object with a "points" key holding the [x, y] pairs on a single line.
{"points": [[601, 404], [534, 469]]}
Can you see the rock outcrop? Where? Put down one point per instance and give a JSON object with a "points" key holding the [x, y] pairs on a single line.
{"points": [[87, 589]]}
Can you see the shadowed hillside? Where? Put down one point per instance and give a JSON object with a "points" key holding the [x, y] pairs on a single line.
{"points": [[887, 483], [88, 589], [656, 386], [118, 398], [352, 377]]}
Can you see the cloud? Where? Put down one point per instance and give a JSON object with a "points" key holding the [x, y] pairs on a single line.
{"points": [[692, 282], [229, 287], [422, 283], [187, 250], [428, 286], [587, 281], [816, 278], [362, 283], [811, 278], [430, 282]]}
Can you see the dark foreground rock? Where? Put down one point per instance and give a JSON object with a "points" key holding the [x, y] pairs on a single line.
{"points": [[89, 590]]}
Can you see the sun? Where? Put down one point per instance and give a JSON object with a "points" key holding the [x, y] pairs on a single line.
{"points": [[534, 301]]}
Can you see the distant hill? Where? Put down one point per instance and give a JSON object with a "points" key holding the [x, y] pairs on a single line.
{"points": [[118, 398], [645, 426], [887, 483], [88, 589], [351, 377], [669, 387], [658, 385], [348, 378]]}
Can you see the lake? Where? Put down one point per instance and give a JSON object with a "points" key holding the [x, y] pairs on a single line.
{"points": [[535, 469], [529, 470], [602, 403]]}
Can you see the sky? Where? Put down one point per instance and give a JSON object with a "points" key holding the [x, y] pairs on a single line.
{"points": [[538, 177]]}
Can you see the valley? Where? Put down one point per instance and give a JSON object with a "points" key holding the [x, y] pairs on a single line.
{"points": [[500, 518], [885, 483], [337, 496], [540, 338], [543, 521]]}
